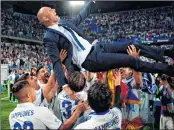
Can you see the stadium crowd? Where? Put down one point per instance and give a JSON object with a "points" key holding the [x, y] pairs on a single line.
{"points": [[121, 97], [21, 25], [145, 24], [22, 55]]}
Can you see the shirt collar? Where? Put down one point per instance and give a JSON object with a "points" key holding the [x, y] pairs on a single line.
{"points": [[25, 104], [102, 113], [53, 26]]}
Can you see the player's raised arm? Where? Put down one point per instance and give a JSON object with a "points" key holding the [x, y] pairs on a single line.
{"points": [[132, 51]]}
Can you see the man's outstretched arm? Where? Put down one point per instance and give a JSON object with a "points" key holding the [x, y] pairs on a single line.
{"points": [[84, 13]]}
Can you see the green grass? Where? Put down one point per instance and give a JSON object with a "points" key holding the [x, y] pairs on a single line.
{"points": [[5, 94], [6, 108]]}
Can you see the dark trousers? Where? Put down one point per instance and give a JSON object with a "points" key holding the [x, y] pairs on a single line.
{"points": [[157, 114], [11, 94], [110, 56]]}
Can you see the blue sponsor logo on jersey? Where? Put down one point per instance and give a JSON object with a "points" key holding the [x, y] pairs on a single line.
{"points": [[22, 114], [66, 96]]}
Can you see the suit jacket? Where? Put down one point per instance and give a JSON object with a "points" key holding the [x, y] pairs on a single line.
{"points": [[54, 41]]}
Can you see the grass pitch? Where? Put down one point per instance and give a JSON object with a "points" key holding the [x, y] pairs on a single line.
{"points": [[6, 108]]}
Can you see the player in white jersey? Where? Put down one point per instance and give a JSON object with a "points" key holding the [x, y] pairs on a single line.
{"points": [[28, 116], [90, 80], [42, 75], [99, 99], [41, 93], [67, 105]]}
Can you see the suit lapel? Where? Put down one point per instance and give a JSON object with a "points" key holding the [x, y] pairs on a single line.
{"points": [[69, 24], [55, 31]]}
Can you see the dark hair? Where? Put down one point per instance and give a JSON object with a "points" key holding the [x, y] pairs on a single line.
{"points": [[169, 80], [99, 97], [19, 85], [77, 81], [23, 77], [157, 80], [38, 69], [164, 77]]}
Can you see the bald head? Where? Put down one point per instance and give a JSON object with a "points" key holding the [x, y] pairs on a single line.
{"points": [[47, 16], [42, 13]]}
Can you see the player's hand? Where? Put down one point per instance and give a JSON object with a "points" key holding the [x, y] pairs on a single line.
{"points": [[63, 55], [82, 106], [117, 77], [87, 105], [70, 93], [132, 51], [95, 41]]}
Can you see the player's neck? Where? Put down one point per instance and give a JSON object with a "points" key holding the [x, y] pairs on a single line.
{"points": [[37, 87], [43, 81], [25, 101]]}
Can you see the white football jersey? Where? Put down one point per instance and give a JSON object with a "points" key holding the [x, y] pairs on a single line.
{"points": [[90, 83], [67, 105], [40, 100], [29, 116], [40, 84], [107, 120]]}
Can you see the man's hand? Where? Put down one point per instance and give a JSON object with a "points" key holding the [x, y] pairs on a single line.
{"points": [[117, 77], [132, 51], [63, 55], [95, 41], [82, 106], [70, 93]]}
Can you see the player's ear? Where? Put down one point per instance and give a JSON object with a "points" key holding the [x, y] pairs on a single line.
{"points": [[28, 95], [38, 77]]}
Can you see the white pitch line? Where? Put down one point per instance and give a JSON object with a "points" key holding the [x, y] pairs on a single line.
{"points": [[4, 98]]}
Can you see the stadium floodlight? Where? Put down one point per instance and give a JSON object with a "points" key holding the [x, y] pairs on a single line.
{"points": [[77, 3]]}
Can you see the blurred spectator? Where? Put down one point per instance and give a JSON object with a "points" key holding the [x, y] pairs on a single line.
{"points": [[22, 55]]}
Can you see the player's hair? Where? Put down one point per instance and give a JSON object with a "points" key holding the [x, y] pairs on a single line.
{"points": [[38, 69], [99, 97], [23, 77], [77, 81], [19, 85]]}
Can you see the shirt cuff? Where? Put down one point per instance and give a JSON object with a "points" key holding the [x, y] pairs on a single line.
{"points": [[64, 85]]}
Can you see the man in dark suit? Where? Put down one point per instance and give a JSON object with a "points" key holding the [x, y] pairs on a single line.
{"points": [[62, 34]]}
